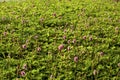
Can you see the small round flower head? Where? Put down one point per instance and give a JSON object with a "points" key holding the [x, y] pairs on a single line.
{"points": [[101, 53], [68, 48], [41, 19], [90, 38], [54, 14], [68, 41], [65, 30], [24, 46], [95, 72], [38, 49], [84, 37], [116, 28], [22, 73], [74, 41], [5, 33], [51, 76], [27, 41], [75, 59], [35, 37], [25, 66], [118, 64], [64, 37], [60, 47]]}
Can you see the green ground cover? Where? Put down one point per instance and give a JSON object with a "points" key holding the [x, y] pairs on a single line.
{"points": [[60, 40]]}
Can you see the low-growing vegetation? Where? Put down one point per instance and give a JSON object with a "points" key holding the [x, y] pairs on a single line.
{"points": [[60, 40]]}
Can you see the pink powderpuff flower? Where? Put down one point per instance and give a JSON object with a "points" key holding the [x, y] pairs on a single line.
{"points": [[90, 38], [25, 66], [64, 37], [95, 72], [60, 47], [41, 19], [74, 41], [84, 37], [116, 28], [75, 59], [27, 41], [5, 33], [38, 49], [54, 14], [22, 73], [65, 30], [24, 46], [101, 53], [118, 64], [35, 37], [68, 41], [51, 76], [68, 48]]}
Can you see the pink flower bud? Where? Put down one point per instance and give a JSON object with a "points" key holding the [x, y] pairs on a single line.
{"points": [[25, 66], [51, 76], [118, 64], [65, 30], [22, 73], [24, 46], [75, 59], [84, 37], [68, 41], [35, 37], [60, 47], [95, 72], [41, 19], [38, 49], [101, 53], [54, 14], [74, 41], [5, 33], [68, 48], [64, 37], [116, 28], [90, 38], [27, 41]]}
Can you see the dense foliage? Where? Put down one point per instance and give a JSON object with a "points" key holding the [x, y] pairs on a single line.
{"points": [[60, 40]]}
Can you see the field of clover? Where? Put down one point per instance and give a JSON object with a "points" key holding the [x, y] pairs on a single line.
{"points": [[60, 40]]}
